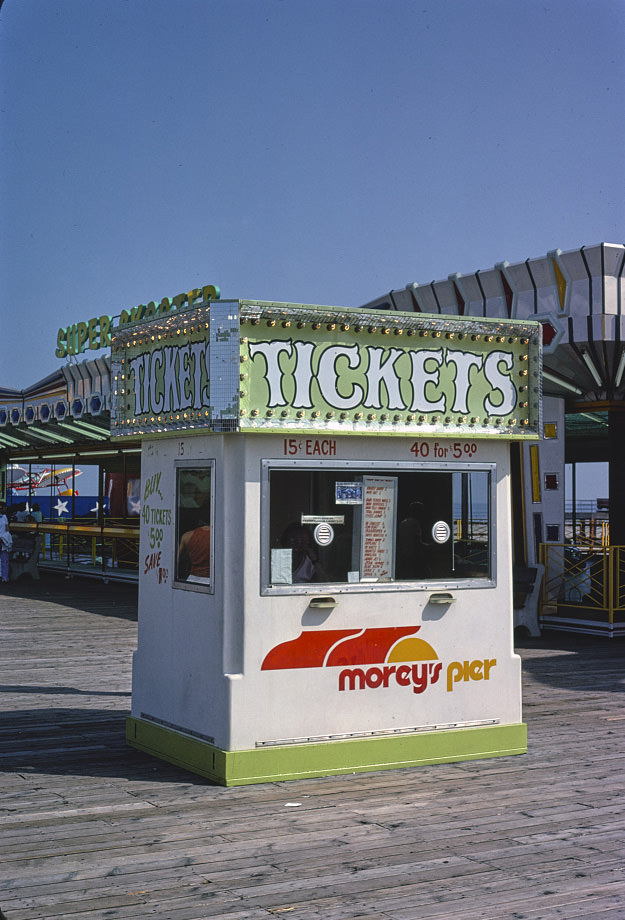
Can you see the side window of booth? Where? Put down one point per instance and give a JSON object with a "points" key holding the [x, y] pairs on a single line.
{"points": [[375, 525], [194, 525]]}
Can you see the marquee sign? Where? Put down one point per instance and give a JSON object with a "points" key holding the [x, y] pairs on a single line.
{"points": [[95, 333], [254, 366]]}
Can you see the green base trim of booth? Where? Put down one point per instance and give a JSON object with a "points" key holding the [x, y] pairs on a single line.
{"points": [[327, 758]]}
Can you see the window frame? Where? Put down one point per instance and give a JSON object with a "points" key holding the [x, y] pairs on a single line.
{"points": [[373, 467], [178, 583]]}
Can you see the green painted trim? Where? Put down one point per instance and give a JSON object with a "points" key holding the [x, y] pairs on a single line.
{"points": [[328, 758]]}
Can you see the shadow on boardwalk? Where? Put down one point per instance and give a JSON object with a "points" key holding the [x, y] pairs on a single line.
{"points": [[92, 830], [576, 661], [87, 595]]}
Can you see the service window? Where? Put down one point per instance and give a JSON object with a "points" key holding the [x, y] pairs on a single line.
{"points": [[193, 563], [372, 523]]}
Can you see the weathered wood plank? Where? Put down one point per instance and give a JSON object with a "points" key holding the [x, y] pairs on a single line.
{"points": [[90, 829]]}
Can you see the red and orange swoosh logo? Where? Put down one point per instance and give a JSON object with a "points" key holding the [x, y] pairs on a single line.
{"points": [[347, 647]]}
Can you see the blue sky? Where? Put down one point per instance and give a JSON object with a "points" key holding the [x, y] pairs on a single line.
{"points": [[302, 150], [322, 152]]}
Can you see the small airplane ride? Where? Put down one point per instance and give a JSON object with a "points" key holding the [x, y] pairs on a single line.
{"points": [[20, 480]]}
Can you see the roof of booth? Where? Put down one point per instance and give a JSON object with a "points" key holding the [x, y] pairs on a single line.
{"points": [[254, 366]]}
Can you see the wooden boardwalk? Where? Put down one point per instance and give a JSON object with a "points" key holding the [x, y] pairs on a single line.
{"points": [[92, 830]]}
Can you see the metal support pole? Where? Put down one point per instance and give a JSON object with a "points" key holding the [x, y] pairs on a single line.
{"points": [[616, 455]]}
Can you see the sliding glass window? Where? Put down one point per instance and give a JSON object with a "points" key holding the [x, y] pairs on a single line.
{"points": [[371, 523]]}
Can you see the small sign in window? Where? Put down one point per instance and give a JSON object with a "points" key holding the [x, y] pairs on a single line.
{"points": [[348, 493]]}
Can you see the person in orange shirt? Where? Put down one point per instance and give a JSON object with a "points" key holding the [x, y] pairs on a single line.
{"points": [[194, 549]]}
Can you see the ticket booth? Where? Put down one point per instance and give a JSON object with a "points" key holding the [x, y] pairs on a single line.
{"points": [[325, 551]]}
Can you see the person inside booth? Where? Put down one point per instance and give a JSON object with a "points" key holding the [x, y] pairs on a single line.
{"points": [[194, 549], [304, 561], [413, 548]]}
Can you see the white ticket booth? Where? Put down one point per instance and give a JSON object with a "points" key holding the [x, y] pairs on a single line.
{"points": [[326, 561]]}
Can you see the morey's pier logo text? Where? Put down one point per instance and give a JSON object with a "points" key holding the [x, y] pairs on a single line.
{"points": [[374, 658]]}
